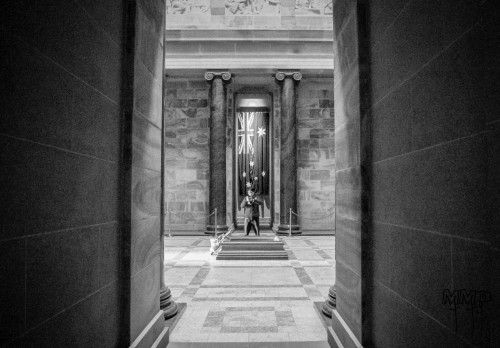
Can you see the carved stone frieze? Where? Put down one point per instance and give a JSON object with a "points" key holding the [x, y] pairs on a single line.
{"points": [[253, 7]]}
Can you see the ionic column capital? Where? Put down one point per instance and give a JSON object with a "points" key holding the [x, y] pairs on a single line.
{"points": [[296, 75], [225, 75]]}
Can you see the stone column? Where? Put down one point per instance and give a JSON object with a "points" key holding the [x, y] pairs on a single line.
{"points": [[218, 123], [288, 151]]}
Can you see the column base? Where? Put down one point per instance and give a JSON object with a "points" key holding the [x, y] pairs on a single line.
{"points": [[220, 229], [331, 302], [285, 229], [167, 305]]}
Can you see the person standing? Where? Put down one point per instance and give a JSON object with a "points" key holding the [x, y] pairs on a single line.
{"points": [[251, 204]]}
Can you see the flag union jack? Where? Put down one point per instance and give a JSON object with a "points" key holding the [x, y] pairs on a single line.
{"points": [[246, 133]]}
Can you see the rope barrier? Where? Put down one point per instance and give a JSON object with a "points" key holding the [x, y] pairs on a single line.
{"points": [[184, 220], [204, 219]]}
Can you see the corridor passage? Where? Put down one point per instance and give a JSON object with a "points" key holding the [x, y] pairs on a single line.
{"points": [[242, 303]]}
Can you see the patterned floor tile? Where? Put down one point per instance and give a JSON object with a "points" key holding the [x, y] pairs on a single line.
{"points": [[245, 302]]}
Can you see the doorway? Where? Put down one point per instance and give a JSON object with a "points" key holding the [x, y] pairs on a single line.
{"points": [[253, 151]]}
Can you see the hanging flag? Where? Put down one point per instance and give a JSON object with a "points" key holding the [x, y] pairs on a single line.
{"points": [[253, 150]]}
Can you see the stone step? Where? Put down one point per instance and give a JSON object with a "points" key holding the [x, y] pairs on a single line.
{"points": [[241, 246], [252, 248], [252, 255]]}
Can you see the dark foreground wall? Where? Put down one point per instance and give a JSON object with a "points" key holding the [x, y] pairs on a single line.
{"points": [[64, 281], [417, 151], [436, 135]]}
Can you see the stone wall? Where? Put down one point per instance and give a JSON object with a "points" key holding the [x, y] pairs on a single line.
{"points": [[60, 152], [436, 174], [80, 153], [250, 14], [316, 155], [187, 153], [417, 155]]}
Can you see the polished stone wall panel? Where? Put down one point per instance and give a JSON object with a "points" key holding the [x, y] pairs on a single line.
{"points": [[396, 323], [446, 104], [145, 297], [56, 32], [97, 120], [64, 189], [432, 192], [146, 144], [350, 241], [347, 159], [493, 188], [348, 286], [348, 193], [347, 128], [406, 249], [410, 43], [146, 191], [187, 153], [148, 94], [316, 155], [75, 327], [109, 253], [100, 11], [62, 77], [12, 278], [92, 320], [412, 190], [383, 14], [62, 268], [392, 124], [470, 260], [149, 38], [146, 161], [44, 116]]}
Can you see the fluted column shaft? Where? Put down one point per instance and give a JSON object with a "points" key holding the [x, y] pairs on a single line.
{"points": [[288, 151], [218, 125]]}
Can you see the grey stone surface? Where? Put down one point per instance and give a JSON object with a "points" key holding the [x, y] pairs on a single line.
{"points": [[405, 323], [187, 153], [217, 181], [288, 153], [12, 275], [349, 304], [432, 180]]}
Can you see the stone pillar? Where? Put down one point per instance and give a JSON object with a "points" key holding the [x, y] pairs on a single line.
{"points": [[218, 123], [288, 151], [168, 306]]}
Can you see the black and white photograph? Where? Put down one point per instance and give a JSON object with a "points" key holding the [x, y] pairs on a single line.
{"points": [[250, 174]]}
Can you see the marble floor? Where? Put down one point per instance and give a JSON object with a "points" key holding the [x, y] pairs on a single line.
{"points": [[244, 302]]}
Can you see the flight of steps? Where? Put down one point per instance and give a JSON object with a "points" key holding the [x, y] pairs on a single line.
{"points": [[252, 248], [264, 223]]}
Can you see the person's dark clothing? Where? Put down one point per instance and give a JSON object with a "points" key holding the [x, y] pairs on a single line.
{"points": [[251, 212]]}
